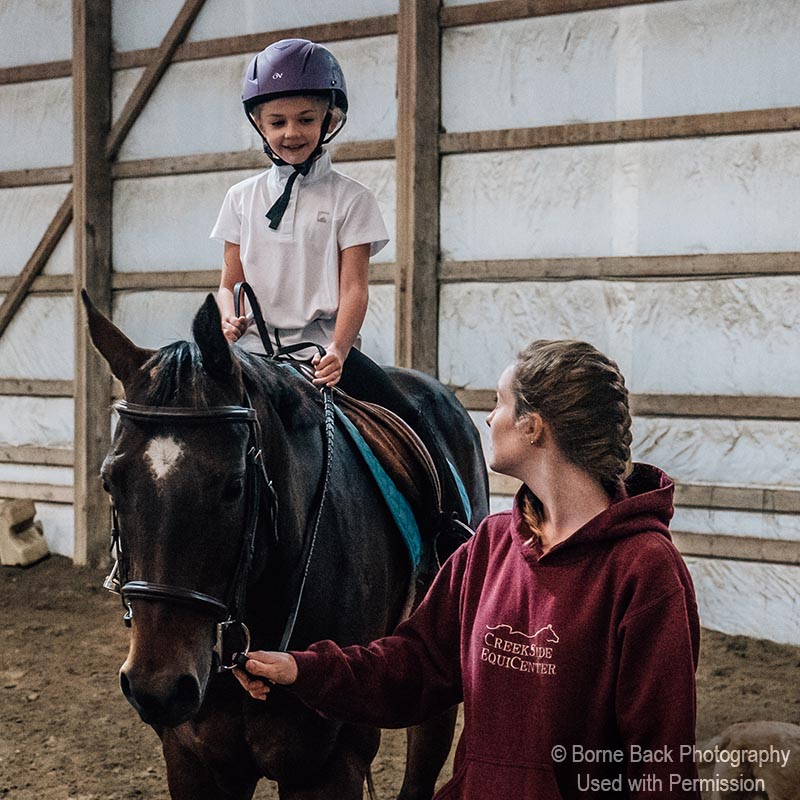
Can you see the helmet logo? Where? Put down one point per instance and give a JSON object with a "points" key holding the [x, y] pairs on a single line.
{"points": [[276, 75]]}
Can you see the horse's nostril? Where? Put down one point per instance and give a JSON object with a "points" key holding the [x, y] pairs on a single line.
{"points": [[125, 685], [173, 703]]}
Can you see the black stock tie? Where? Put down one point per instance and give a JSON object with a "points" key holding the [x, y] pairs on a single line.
{"points": [[275, 214]]}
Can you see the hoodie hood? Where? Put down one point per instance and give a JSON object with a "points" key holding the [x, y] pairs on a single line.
{"points": [[644, 504]]}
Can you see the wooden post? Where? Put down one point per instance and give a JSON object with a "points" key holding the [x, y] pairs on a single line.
{"points": [[92, 195], [417, 153]]}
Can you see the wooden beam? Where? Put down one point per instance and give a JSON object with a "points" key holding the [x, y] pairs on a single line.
{"points": [[737, 548], [35, 72], [24, 387], [630, 268], [417, 154], [716, 406], [381, 149], [254, 42], [179, 280], [44, 456], [503, 10], [40, 492], [44, 284], [92, 188], [155, 68], [738, 498], [22, 283], [43, 176], [206, 279], [728, 123], [676, 405]]}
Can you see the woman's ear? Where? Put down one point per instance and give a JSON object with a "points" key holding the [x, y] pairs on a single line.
{"points": [[534, 428]]}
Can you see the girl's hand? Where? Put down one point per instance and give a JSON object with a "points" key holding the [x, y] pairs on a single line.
{"points": [[266, 666], [328, 369], [234, 327]]}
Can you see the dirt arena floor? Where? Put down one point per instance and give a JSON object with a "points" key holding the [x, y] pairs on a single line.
{"points": [[66, 732]]}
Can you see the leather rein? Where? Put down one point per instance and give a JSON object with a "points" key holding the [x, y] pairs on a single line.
{"points": [[229, 609]]}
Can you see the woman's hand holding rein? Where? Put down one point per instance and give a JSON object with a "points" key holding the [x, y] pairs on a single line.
{"points": [[262, 666]]}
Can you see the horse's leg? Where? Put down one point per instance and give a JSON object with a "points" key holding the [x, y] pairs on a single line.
{"points": [[189, 777], [342, 776], [428, 746]]}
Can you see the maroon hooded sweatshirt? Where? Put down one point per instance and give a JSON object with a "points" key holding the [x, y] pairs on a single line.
{"points": [[576, 667]]}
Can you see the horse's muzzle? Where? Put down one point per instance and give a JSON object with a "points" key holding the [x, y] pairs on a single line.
{"points": [[165, 703]]}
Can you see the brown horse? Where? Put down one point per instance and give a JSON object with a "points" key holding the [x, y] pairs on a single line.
{"points": [[237, 503]]}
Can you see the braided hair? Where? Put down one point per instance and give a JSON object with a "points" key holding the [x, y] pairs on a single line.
{"points": [[581, 394]]}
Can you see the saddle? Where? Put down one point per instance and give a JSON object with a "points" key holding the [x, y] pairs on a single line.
{"points": [[401, 453]]}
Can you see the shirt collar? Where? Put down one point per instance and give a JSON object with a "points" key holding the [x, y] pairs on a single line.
{"points": [[322, 166]]}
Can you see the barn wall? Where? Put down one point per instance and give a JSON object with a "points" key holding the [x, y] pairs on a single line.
{"points": [[627, 195], [699, 336]]}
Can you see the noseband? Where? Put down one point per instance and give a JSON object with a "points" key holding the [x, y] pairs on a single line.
{"points": [[229, 608]]}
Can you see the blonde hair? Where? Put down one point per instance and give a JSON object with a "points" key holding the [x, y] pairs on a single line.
{"points": [[581, 395]]}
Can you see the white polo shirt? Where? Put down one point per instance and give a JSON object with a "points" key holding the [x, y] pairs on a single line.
{"points": [[294, 270]]}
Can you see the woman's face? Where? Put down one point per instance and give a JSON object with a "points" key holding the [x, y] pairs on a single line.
{"points": [[511, 446]]}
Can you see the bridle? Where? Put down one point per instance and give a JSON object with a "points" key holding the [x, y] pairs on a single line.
{"points": [[227, 609]]}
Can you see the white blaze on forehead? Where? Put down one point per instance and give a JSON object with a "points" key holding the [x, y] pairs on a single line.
{"points": [[162, 454]]}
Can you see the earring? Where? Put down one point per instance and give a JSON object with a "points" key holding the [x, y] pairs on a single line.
{"points": [[532, 441]]}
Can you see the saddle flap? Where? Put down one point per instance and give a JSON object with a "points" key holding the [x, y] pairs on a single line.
{"points": [[400, 452]]}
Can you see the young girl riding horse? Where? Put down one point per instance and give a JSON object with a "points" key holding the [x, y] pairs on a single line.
{"points": [[302, 233]]}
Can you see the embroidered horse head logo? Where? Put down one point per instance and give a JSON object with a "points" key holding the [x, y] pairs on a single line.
{"points": [[552, 636]]}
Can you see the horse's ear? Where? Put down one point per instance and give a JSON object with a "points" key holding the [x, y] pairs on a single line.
{"points": [[214, 347], [122, 355]]}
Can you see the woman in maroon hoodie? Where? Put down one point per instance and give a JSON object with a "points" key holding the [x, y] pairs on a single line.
{"points": [[568, 625]]}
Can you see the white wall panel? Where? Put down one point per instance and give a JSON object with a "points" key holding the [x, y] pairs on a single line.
{"points": [[143, 23], [721, 451], [36, 124], [739, 336], [727, 194], [380, 177], [370, 69], [31, 473], [154, 319], [136, 24], [40, 421], [197, 108], [785, 527], [62, 260], [23, 24], [665, 59], [58, 523], [377, 332], [163, 223], [761, 600], [234, 17], [25, 214], [38, 343]]}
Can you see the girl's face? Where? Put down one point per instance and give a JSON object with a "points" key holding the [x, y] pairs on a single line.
{"points": [[510, 436], [291, 126]]}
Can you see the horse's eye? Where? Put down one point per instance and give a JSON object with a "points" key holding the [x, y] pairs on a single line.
{"points": [[233, 490]]}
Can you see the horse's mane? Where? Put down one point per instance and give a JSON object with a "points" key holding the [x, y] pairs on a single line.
{"points": [[178, 377]]}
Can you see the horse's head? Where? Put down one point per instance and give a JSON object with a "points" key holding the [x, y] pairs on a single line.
{"points": [[182, 484]]}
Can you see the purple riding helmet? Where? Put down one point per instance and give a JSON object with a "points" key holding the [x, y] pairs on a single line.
{"points": [[295, 67]]}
